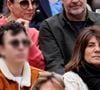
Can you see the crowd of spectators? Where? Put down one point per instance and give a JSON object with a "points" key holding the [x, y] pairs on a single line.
{"points": [[49, 45]]}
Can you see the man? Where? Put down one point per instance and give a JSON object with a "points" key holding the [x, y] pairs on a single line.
{"points": [[58, 33], [15, 72]]}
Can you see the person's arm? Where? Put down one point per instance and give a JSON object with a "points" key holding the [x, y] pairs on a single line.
{"points": [[36, 58], [50, 49], [1, 84]]}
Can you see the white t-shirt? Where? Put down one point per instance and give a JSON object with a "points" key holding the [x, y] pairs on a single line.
{"points": [[18, 80]]}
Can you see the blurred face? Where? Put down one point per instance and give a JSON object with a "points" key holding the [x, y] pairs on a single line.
{"points": [[15, 48], [50, 86], [92, 52], [74, 7], [24, 9]]}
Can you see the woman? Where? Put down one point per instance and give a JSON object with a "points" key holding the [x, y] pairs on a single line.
{"points": [[22, 11], [49, 81], [85, 61], [15, 72]]}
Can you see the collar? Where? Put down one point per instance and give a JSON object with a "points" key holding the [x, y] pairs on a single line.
{"points": [[90, 17], [26, 80]]}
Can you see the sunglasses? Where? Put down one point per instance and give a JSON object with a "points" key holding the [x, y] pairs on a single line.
{"points": [[16, 43], [25, 3]]}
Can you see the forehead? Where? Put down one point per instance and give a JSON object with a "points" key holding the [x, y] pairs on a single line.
{"points": [[8, 36], [93, 39], [23, 0]]}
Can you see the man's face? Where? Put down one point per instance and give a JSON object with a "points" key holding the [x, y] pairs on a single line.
{"points": [[75, 7], [24, 9], [12, 51]]}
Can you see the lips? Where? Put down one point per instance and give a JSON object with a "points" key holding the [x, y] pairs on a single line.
{"points": [[96, 57], [29, 13], [75, 7]]}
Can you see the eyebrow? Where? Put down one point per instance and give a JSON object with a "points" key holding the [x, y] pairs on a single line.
{"points": [[91, 42]]}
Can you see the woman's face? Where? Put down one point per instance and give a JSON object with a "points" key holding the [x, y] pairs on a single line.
{"points": [[92, 52], [24, 9]]}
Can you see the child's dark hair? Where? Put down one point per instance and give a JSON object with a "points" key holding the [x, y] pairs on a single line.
{"points": [[12, 26]]}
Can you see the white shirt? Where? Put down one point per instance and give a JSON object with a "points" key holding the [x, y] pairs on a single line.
{"points": [[18, 80]]}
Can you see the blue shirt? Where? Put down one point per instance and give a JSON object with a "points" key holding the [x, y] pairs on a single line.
{"points": [[56, 7]]}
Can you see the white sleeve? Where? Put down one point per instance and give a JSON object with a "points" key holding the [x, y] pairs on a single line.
{"points": [[73, 82]]}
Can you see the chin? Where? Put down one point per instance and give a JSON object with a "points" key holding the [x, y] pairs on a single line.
{"points": [[28, 18], [20, 61], [77, 12]]}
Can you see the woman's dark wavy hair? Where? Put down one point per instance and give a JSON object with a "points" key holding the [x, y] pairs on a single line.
{"points": [[80, 46]]}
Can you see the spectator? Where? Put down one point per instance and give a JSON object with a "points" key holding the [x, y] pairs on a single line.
{"points": [[15, 72], [49, 81], [85, 60], [58, 33], [46, 9], [22, 11]]}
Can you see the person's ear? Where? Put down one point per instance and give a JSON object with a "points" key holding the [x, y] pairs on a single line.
{"points": [[9, 5]]}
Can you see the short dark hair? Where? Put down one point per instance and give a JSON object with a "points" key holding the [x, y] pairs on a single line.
{"points": [[80, 46], [12, 26]]}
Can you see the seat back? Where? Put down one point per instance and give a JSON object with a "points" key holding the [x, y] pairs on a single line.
{"points": [[96, 4]]}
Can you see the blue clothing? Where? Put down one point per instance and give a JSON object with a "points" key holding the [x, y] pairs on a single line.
{"points": [[56, 7], [78, 25]]}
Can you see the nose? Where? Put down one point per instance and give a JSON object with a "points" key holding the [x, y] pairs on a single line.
{"points": [[97, 48], [30, 6], [21, 47]]}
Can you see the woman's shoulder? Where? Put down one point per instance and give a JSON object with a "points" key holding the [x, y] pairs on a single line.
{"points": [[71, 76], [3, 21], [73, 80], [33, 31]]}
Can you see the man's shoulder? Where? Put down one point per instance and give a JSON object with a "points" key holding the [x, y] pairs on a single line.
{"points": [[94, 16], [94, 13], [53, 18], [35, 73], [35, 70]]}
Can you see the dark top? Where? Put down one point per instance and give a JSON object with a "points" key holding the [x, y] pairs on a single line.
{"points": [[90, 75], [78, 25]]}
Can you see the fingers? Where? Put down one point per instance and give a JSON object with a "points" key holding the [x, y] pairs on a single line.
{"points": [[23, 22], [43, 74]]}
